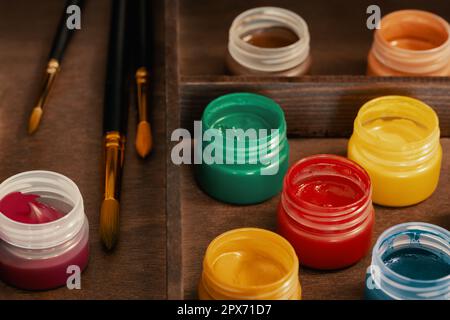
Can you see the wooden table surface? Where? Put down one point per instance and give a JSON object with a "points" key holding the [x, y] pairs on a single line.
{"points": [[69, 141]]}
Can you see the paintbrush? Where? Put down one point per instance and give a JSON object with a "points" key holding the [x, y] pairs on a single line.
{"points": [[114, 124], [60, 42], [144, 139]]}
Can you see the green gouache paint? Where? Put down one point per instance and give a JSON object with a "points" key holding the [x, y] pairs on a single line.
{"points": [[244, 183]]}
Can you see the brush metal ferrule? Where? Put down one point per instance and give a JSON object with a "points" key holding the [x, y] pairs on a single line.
{"points": [[141, 86], [50, 75], [114, 157]]}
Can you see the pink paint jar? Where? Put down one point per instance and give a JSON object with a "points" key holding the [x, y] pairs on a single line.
{"points": [[38, 256]]}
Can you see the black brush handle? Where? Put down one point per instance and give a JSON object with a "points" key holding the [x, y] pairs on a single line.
{"points": [[115, 111], [63, 34], [143, 30]]}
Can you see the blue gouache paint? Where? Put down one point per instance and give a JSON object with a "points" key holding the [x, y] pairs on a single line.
{"points": [[417, 263]]}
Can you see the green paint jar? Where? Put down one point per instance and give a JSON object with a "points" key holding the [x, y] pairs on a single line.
{"points": [[244, 149]]}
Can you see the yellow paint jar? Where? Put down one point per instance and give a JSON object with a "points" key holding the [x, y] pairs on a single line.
{"points": [[396, 139], [250, 264]]}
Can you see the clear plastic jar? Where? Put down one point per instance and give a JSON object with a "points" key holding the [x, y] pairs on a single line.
{"points": [[250, 264], [410, 43], [396, 139], [383, 283], [281, 48], [37, 256]]}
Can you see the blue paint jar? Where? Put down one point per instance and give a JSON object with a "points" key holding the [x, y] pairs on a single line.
{"points": [[410, 261]]}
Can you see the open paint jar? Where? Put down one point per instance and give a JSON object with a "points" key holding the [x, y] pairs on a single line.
{"points": [[326, 211], [43, 230], [250, 264], [244, 150], [396, 139], [411, 43], [268, 41], [410, 261]]}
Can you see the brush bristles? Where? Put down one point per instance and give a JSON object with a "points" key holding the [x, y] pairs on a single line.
{"points": [[109, 222], [144, 141], [35, 119]]}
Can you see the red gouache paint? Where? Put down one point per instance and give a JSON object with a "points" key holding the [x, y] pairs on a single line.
{"points": [[26, 208], [326, 211]]}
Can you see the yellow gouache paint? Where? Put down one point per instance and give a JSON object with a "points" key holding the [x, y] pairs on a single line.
{"points": [[250, 263], [247, 268], [396, 131], [396, 139]]}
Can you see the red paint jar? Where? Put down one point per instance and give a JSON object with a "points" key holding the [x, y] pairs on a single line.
{"points": [[326, 211], [42, 256]]}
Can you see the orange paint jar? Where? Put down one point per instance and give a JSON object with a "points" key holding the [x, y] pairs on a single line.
{"points": [[410, 43], [250, 264]]}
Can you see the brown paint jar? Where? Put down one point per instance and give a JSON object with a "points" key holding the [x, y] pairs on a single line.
{"points": [[268, 41], [410, 43]]}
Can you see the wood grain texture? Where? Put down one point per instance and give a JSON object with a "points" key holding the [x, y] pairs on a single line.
{"points": [[205, 218], [174, 223], [340, 40], [324, 106], [69, 141]]}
